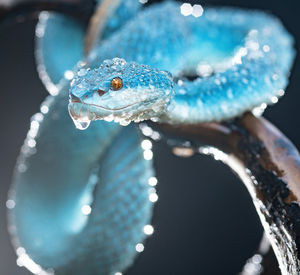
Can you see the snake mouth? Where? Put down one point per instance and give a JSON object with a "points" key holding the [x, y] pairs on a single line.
{"points": [[81, 111], [113, 109], [77, 101]]}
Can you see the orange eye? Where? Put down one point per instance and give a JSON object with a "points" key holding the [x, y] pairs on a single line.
{"points": [[116, 84]]}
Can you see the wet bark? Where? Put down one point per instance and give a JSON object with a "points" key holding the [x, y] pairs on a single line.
{"points": [[268, 164]]}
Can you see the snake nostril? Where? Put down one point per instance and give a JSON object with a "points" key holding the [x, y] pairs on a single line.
{"points": [[74, 98], [100, 92]]}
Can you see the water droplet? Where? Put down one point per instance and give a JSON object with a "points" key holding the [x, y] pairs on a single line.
{"points": [[81, 125], [82, 72], [124, 122], [139, 247]]}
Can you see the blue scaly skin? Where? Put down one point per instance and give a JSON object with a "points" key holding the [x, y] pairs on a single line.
{"points": [[63, 173], [61, 48], [242, 60], [248, 53]]}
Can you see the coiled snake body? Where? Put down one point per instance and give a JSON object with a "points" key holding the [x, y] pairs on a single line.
{"points": [[82, 197]]}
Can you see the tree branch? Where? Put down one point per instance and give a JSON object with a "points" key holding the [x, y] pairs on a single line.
{"points": [[268, 164]]}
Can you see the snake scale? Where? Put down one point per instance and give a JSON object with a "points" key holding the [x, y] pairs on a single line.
{"points": [[81, 200]]}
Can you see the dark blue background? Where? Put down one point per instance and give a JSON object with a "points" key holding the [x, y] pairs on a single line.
{"points": [[204, 220]]}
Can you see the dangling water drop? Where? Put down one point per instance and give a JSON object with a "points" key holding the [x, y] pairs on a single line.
{"points": [[81, 125]]}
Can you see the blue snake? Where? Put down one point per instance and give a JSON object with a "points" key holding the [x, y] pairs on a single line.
{"points": [[81, 201]]}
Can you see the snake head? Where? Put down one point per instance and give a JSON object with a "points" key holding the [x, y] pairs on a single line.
{"points": [[120, 91]]}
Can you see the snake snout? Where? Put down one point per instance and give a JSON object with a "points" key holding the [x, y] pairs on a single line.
{"points": [[74, 98]]}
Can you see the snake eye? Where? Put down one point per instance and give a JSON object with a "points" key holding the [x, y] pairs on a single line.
{"points": [[116, 84]]}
